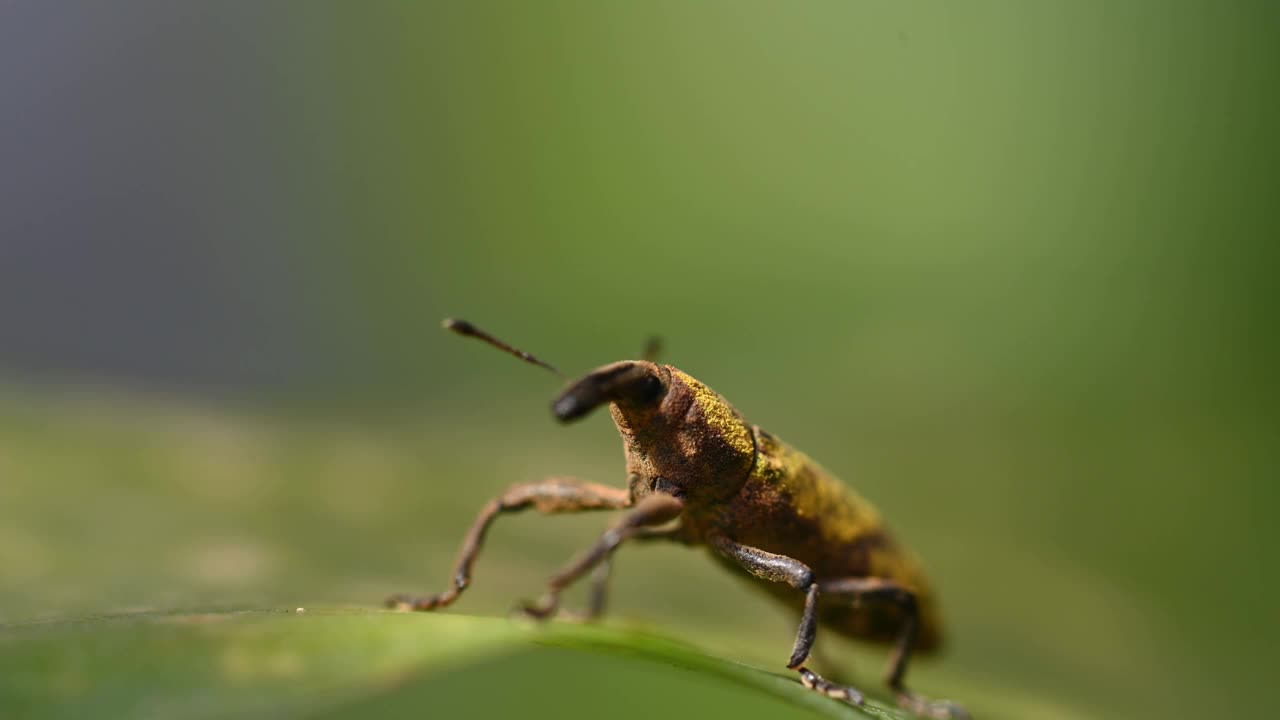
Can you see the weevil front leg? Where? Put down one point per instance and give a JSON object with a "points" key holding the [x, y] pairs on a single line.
{"points": [[643, 521], [598, 597], [780, 568], [553, 495]]}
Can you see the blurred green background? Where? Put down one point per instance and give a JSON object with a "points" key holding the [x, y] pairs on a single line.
{"points": [[1007, 268]]}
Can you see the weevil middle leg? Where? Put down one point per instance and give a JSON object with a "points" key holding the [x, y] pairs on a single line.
{"points": [[780, 568]]}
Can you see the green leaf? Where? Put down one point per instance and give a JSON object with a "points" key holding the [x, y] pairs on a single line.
{"points": [[340, 663]]}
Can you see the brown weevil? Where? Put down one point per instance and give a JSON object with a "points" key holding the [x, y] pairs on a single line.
{"points": [[699, 474]]}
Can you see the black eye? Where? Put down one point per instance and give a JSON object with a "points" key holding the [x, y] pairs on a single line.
{"points": [[648, 389]]}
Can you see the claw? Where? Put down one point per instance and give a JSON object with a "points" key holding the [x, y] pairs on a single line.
{"points": [[816, 682], [542, 610]]}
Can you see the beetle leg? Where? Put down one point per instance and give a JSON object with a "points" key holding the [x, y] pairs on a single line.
{"points": [[596, 600], [655, 509], [553, 495], [878, 590], [599, 594], [780, 568]]}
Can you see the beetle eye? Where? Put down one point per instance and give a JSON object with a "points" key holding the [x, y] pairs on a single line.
{"points": [[648, 389]]}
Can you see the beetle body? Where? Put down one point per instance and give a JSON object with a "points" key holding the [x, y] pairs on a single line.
{"points": [[699, 474], [775, 498]]}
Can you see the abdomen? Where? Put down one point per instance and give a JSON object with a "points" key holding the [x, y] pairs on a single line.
{"points": [[792, 506]]}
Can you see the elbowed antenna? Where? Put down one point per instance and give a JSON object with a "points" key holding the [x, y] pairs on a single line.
{"points": [[464, 328], [629, 382]]}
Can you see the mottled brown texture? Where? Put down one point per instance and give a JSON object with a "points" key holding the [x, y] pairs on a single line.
{"points": [[672, 447], [791, 506], [748, 485]]}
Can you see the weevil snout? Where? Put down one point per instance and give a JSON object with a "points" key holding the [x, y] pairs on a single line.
{"points": [[632, 383]]}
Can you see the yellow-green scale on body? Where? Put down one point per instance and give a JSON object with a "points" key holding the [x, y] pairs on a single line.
{"points": [[698, 473], [789, 505]]}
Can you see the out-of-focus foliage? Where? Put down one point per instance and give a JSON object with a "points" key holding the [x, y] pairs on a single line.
{"points": [[1006, 268], [321, 662]]}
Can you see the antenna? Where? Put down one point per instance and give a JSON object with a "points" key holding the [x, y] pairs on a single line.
{"points": [[466, 329], [652, 349]]}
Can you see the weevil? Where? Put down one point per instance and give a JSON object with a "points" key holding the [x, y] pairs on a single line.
{"points": [[699, 474]]}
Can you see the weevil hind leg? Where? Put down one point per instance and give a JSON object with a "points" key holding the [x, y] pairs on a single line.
{"points": [[876, 590], [918, 704], [782, 569]]}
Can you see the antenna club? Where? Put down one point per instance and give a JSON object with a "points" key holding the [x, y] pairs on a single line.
{"points": [[466, 329], [462, 327]]}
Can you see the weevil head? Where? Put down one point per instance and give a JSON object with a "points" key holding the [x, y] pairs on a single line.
{"points": [[680, 436]]}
